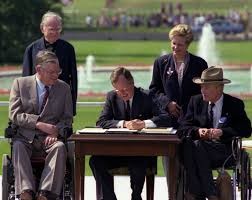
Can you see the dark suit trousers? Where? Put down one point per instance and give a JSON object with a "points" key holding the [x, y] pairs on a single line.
{"points": [[200, 157], [101, 165]]}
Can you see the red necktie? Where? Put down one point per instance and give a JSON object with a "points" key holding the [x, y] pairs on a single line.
{"points": [[45, 98]]}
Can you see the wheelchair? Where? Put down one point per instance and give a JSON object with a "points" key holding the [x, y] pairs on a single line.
{"points": [[240, 169], [8, 179]]}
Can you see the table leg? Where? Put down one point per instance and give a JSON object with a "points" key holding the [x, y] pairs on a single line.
{"points": [[82, 168], [172, 178], [77, 179]]}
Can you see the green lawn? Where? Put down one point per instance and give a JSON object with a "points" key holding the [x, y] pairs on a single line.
{"points": [[144, 52], [86, 116], [75, 14], [149, 6]]}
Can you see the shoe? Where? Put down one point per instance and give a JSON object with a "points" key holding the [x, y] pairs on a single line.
{"points": [[42, 196], [213, 198], [189, 196], [26, 195]]}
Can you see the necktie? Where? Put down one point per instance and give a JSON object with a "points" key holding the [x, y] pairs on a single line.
{"points": [[45, 98], [211, 115], [127, 110]]}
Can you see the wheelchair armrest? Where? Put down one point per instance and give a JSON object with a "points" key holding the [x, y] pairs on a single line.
{"points": [[11, 130], [67, 133]]}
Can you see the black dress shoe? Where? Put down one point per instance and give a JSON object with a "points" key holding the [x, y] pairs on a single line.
{"points": [[27, 195], [47, 195]]}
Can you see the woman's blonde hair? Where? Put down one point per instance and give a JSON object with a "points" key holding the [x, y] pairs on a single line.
{"points": [[182, 30]]}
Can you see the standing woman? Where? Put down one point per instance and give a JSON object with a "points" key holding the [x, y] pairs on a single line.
{"points": [[172, 75], [172, 84]]}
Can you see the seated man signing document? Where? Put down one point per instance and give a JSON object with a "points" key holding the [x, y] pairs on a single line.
{"points": [[126, 107]]}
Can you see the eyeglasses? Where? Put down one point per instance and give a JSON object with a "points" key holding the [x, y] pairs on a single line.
{"points": [[51, 72], [53, 30]]}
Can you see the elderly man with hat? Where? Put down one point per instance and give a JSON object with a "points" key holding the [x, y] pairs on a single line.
{"points": [[213, 118]]}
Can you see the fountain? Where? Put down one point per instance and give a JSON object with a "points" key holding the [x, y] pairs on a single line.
{"points": [[207, 46], [86, 81]]}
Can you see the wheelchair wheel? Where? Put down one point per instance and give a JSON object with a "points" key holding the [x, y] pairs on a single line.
{"points": [[245, 176], [5, 184]]}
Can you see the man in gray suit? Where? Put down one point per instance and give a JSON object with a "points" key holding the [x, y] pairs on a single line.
{"points": [[40, 105]]}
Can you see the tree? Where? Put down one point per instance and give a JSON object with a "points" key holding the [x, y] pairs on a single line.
{"points": [[20, 25]]}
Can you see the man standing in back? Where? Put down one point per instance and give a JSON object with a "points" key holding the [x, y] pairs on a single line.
{"points": [[51, 27]]}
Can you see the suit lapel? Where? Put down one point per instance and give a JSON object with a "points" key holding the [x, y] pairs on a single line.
{"points": [[34, 95], [121, 106], [41, 45], [204, 112], [187, 64], [224, 113]]}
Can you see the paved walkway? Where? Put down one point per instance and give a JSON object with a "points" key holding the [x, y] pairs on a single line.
{"points": [[122, 188]]}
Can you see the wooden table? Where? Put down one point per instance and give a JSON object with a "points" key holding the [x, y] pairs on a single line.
{"points": [[123, 145]]}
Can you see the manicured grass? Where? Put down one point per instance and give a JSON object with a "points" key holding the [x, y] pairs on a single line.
{"points": [[144, 52], [76, 13], [148, 6], [86, 116]]}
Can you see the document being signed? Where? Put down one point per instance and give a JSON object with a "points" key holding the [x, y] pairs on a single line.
{"points": [[169, 130]]}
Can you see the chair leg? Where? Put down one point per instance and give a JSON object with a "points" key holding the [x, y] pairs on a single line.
{"points": [[150, 186]]}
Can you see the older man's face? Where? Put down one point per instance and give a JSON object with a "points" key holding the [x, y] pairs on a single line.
{"points": [[211, 92], [124, 88], [51, 29], [49, 73]]}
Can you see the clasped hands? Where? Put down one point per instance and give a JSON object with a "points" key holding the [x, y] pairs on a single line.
{"points": [[174, 109], [135, 124], [51, 131], [210, 134]]}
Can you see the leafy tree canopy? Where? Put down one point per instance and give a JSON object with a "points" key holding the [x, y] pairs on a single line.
{"points": [[20, 25]]}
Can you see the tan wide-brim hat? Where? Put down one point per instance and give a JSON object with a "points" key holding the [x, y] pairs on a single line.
{"points": [[211, 75]]}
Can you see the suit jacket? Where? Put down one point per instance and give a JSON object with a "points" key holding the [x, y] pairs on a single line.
{"points": [[24, 106], [233, 121], [164, 85], [143, 107], [67, 61]]}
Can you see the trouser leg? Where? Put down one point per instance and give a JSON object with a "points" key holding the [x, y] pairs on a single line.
{"points": [[208, 154], [22, 167], [52, 177], [192, 178], [165, 161], [104, 181], [137, 167]]}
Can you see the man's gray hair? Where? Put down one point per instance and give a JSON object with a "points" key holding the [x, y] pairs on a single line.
{"points": [[50, 14], [45, 56]]}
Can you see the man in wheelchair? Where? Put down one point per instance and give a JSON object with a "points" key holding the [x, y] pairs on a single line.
{"points": [[212, 120], [40, 106]]}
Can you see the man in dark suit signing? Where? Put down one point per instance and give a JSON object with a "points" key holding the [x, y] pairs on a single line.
{"points": [[212, 120], [126, 107], [51, 27], [39, 107]]}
